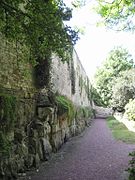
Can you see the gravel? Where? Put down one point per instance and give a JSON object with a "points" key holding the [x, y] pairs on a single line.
{"points": [[94, 155]]}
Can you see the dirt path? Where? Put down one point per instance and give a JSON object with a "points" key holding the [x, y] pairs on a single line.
{"points": [[94, 155]]}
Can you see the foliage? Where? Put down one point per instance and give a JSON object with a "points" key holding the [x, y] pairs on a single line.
{"points": [[5, 145], [88, 89], [96, 97], [7, 119], [123, 89], [117, 14], [78, 3], [118, 60], [42, 74], [120, 131], [39, 25], [131, 168], [84, 112], [7, 111], [130, 110], [81, 83], [65, 106], [72, 77], [88, 112]]}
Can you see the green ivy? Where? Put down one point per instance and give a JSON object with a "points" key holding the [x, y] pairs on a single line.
{"points": [[72, 77], [38, 24], [5, 145], [81, 83], [65, 106], [7, 111], [84, 112]]}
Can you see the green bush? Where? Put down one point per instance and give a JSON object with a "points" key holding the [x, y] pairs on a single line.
{"points": [[65, 106], [130, 109], [84, 112], [97, 99], [131, 167]]}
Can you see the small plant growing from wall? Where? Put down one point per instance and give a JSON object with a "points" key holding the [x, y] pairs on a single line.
{"points": [[81, 84], [65, 106]]}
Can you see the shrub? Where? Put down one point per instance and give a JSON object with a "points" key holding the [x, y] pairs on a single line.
{"points": [[130, 109], [131, 168], [65, 106], [123, 89]]}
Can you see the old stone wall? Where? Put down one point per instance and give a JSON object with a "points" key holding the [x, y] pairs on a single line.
{"points": [[15, 71], [36, 122], [66, 75]]}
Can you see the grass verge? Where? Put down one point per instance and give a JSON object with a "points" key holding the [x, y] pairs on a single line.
{"points": [[120, 131]]}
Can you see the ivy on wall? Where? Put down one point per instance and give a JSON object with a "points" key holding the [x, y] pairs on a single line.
{"points": [[39, 25], [65, 106], [7, 111], [7, 120], [42, 73], [80, 84], [72, 77]]}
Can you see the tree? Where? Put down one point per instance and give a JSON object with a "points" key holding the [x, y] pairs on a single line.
{"points": [[96, 98], [39, 25], [130, 109], [123, 89], [117, 14], [118, 60], [78, 3]]}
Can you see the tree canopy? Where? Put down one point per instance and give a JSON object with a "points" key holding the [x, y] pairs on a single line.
{"points": [[118, 60], [39, 25], [123, 89], [117, 14]]}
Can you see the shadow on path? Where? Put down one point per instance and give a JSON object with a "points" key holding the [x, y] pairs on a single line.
{"points": [[94, 155]]}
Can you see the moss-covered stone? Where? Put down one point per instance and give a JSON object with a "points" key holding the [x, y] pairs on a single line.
{"points": [[65, 106], [7, 111]]}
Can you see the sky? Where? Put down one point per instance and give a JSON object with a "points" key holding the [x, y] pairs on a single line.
{"points": [[94, 46]]}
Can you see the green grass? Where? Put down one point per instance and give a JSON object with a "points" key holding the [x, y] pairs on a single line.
{"points": [[120, 131]]}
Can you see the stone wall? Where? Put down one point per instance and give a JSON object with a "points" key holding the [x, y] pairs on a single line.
{"points": [[15, 71], [36, 122], [62, 77]]}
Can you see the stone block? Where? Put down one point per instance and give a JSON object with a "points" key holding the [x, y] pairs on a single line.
{"points": [[44, 112], [56, 141], [46, 148], [55, 128]]}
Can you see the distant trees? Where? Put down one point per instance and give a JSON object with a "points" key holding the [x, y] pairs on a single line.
{"points": [[118, 60], [123, 89], [95, 96], [117, 14]]}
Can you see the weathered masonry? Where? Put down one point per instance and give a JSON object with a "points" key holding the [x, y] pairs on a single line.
{"points": [[36, 121]]}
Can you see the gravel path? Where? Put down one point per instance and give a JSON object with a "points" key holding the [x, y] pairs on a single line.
{"points": [[94, 155]]}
